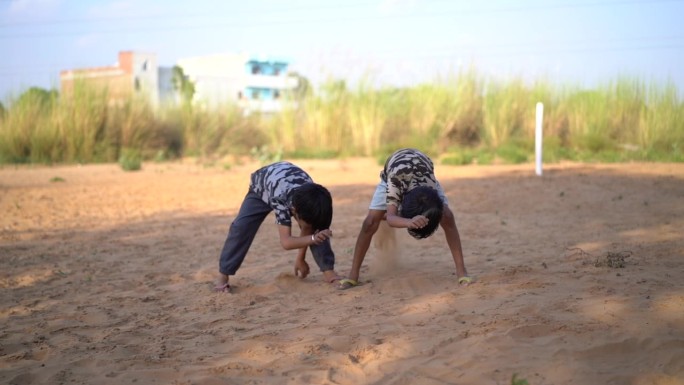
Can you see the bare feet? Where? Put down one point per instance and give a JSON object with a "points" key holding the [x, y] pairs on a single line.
{"points": [[331, 276], [222, 285]]}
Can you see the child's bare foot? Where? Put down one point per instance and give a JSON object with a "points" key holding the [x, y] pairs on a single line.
{"points": [[331, 276], [222, 284]]}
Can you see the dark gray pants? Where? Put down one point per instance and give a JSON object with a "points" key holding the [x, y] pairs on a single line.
{"points": [[243, 230]]}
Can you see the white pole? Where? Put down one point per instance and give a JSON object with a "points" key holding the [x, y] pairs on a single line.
{"points": [[538, 138]]}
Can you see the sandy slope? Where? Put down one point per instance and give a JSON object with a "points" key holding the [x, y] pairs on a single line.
{"points": [[106, 278]]}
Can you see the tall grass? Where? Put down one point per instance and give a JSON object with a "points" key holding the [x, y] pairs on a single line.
{"points": [[505, 108], [660, 126], [461, 118], [323, 120], [81, 124], [367, 114], [26, 128]]}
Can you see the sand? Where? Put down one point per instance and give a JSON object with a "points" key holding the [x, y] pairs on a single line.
{"points": [[106, 278]]}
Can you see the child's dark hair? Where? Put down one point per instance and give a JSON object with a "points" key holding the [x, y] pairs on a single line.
{"points": [[424, 201], [313, 203]]}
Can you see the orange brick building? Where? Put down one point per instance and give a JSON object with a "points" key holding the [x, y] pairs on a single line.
{"points": [[134, 74]]}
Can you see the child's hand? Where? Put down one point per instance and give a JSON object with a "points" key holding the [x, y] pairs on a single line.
{"points": [[418, 222], [320, 236], [301, 269]]}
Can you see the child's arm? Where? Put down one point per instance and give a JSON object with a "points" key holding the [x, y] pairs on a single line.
{"points": [[394, 220], [453, 238], [301, 268], [307, 238], [289, 242]]}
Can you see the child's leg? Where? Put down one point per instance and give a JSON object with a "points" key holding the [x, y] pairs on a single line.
{"points": [[241, 234], [368, 229], [376, 213], [325, 259]]}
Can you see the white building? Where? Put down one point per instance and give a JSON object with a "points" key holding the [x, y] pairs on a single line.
{"points": [[255, 83]]}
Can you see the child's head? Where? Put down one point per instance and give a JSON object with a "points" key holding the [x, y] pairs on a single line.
{"points": [[313, 205], [423, 201]]}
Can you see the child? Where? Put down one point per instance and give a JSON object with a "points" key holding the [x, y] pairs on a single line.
{"points": [[290, 192], [408, 196]]}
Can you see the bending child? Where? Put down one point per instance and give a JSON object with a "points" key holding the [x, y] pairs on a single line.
{"points": [[408, 196], [290, 192]]}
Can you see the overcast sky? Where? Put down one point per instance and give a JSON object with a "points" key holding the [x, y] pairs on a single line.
{"points": [[584, 42]]}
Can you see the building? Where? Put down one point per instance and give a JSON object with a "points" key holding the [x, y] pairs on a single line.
{"points": [[135, 73], [254, 83]]}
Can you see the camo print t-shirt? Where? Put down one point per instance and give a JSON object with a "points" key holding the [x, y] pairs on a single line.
{"points": [[275, 184], [405, 170]]}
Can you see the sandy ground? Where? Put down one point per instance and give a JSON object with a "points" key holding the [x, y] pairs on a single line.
{"points": [[106, 278]]}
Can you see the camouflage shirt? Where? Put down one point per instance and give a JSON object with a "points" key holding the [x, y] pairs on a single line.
{"points": [[405, 170], [275, 185]]}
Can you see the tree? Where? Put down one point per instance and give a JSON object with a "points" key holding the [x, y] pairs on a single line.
{"points": [[182, 84], [37, 97], [303, 86]]}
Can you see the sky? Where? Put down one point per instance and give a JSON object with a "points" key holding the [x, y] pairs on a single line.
{"points": [[583, 43]]}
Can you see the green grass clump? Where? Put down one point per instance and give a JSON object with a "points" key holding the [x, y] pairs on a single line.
{"points": [[518, 381], [459, 158], [130, 159], [267, 155], [516, 152], [313, 154]]}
